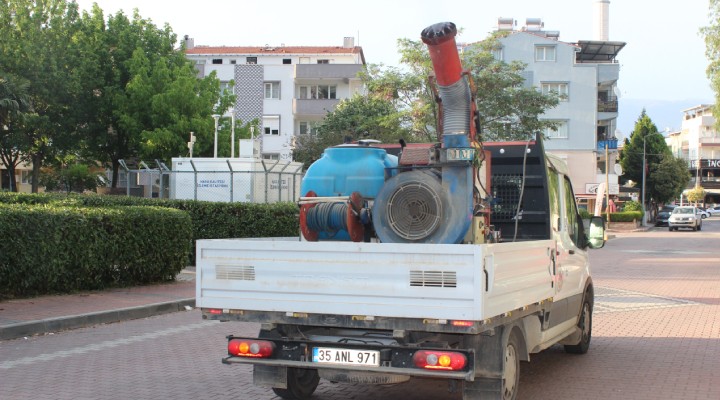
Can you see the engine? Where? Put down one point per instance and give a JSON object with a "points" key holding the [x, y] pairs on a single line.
{"points": [[426, 195]]}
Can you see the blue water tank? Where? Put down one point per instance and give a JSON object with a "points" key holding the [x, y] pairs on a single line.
{"points": [[345, 169]]}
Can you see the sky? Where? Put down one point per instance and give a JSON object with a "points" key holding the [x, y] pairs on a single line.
{"points": [[662, 67]]}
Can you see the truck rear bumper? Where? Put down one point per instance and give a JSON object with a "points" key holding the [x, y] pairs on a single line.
{"points": [[462, 375], [392, 359]]}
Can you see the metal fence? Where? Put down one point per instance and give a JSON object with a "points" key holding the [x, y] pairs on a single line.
{"points": [[262, 181]]}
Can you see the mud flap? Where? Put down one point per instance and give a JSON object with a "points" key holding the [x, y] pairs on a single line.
{"points": [[268, 376]]}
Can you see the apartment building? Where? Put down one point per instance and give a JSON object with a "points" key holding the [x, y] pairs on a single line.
{"points": [[585, 73], [698, 142], [286, 89]]}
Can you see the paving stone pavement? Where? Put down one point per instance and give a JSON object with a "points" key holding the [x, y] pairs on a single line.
{"points": [[44, 314]]}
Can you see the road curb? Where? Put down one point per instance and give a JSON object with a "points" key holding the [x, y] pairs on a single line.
{"points": [[22, 329]]}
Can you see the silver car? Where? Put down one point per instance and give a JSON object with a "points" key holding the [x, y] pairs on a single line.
{"points": [[685, 217]]}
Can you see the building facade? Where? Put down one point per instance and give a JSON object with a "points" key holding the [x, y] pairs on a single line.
{"points": [[698, 142], [585, 74], [287, 90]]}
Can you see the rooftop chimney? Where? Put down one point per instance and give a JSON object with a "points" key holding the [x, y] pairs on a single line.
{"points": [[189, 42], [602, 20]]}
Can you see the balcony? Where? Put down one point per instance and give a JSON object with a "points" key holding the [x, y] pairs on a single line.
{"points": [[327, 71], [314, 107], [609, 105], [609, 144]]}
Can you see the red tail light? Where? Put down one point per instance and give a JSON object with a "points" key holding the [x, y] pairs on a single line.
{"points": [[250, 348], [445, 360]]}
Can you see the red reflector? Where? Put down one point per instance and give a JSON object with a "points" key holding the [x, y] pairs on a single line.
{"points": [[462, 323], [216, 311], [442, 360], [250, 348]]}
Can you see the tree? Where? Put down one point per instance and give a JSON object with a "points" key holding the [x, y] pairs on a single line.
{"points": [[360, 117], [37, 38], [141, 96], [14, 102], [711, 33], [507, 108], [666, 176], [696, 194]]}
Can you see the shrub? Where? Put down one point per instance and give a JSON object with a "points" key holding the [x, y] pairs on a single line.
{"points": [[625, 216], [58, 248], [632, 206]]}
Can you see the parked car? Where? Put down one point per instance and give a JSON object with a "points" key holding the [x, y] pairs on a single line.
{"points": [[685, 217], [704, 214], [713, 210], [662, 217]]}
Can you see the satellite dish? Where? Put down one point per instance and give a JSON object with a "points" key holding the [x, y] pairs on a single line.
{"points": [[618, 170]]}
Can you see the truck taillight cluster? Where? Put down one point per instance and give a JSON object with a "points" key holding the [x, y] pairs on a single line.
{"points": [[444, 360], [250, 348]]}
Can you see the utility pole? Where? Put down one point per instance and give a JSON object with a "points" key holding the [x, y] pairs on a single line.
{"points": [[644, 219]]}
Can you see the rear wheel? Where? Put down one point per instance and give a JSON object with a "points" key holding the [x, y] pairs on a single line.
{"points": [[670, 228], [585, 325], [511, 372], [301, 384]]}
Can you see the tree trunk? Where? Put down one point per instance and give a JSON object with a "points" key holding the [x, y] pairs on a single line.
{"points": [[11, 173], [115, 173], [36, 162]]}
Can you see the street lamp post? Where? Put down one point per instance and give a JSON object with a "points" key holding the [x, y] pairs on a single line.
{"points": [[232, 133], [217, 118], [644, 219]]}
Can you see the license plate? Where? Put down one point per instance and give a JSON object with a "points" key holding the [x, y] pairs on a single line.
{"points": [[326, 355], [460, 154]]}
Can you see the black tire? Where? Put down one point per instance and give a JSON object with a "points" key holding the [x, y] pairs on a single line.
{"points": [[511, 368], [670, 228], [585, 325], [301, 384]]}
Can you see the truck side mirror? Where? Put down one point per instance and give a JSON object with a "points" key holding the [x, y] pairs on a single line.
{"points": [[596, 233]]}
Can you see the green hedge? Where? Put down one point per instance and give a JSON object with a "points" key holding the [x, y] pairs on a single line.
{"points": [[58, 248], [209, 220], [625, 216]]}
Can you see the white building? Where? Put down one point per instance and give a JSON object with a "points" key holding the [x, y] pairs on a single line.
{"points": [[586, 74], [698, 142], [287, 90]]}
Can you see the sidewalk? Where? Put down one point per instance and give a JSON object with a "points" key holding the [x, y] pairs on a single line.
{"points": [[45, 314]]}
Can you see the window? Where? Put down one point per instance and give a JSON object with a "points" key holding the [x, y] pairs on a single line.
{"points": [[250, 60], [571, 213], [560, 133], [233, 61], [497, 53], [559, 88], [217, 61], [26, 176], [318, 92], [225, 87], [271, 156], [272, 90], [545, 53], [323, 61], [271, 124], [287, 61], [307, 127]]}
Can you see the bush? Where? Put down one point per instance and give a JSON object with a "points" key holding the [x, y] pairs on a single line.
{"points": [[632, 206], [625, 216], [209, 220], [57, 248]]}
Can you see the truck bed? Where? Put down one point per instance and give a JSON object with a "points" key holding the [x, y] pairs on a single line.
{"points": [[424, 281]]}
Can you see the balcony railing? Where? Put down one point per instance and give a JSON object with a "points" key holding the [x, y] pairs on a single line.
{"points": [[609, 144], [608, 105], [319, 107]]}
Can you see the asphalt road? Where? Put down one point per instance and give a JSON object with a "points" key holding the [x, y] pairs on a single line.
{"points": [[656, 335]]}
